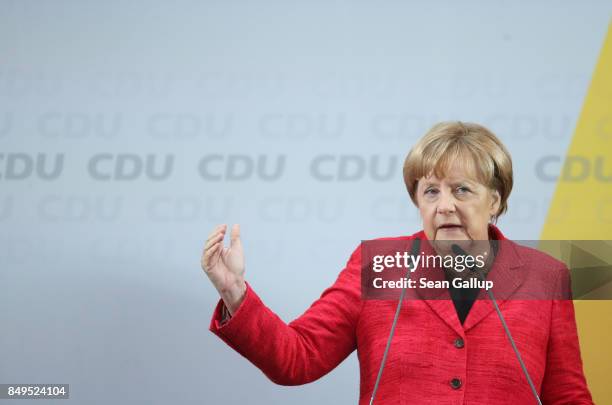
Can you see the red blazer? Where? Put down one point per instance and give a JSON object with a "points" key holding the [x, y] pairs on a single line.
{"points": [[433, 358]]}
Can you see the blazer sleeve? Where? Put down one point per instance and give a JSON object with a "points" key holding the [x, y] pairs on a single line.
{"points": [[564, 381], [308, 347]]}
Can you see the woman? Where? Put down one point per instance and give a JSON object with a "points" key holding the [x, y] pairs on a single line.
{"points": [[459, 175]]}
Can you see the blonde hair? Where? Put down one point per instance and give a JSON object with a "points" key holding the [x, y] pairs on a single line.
{"points": [[470, 145]]}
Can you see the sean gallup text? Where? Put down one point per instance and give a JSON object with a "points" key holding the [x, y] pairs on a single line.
{"points": [[423, 282]]}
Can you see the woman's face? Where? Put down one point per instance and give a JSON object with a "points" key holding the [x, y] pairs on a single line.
{"points": [[456, 207]]}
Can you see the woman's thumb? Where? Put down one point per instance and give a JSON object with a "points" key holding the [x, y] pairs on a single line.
{"points": [[235, 235]]}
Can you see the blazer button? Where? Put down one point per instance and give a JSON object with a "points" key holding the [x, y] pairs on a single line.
{"points": [[455, 383], [459, 343]]}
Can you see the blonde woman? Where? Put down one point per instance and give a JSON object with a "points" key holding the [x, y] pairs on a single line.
{"points": [[445, 351]]}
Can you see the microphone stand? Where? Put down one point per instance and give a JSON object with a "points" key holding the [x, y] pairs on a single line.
{"points": [[416, 244]]}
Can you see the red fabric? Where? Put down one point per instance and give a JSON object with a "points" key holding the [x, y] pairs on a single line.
{"points": [[423, 358]]}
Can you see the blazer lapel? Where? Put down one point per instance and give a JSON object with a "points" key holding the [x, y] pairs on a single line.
{"points": [[438, 299], [507, 274], [445, 309]]}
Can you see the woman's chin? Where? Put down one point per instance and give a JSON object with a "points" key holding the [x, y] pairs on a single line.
{"points": [[446, 238]]}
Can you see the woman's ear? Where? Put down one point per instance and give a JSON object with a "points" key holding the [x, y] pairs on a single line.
{"points": [[495, 202]]}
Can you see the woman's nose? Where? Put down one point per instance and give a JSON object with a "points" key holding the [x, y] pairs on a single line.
{"points": [[446, 204]]}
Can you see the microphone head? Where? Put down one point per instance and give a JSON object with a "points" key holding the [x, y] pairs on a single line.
{"points": [[457, 250], [416, 246]]}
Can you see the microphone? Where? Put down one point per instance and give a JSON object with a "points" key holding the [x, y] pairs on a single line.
{"points": [[416, 245], [460, 252]]}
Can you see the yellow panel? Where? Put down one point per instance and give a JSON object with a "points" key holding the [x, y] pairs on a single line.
{"points": [[581, 208]]}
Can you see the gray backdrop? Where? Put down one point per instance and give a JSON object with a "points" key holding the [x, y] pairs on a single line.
{"points": [[128, 130]]}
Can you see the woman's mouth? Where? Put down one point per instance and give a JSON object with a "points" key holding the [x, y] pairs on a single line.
{"points": [[449, 227], [451, 232]]}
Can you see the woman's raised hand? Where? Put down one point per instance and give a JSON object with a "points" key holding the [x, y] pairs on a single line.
{"points": [[224, 266]]}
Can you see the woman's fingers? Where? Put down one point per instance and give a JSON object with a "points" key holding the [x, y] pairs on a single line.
{"points": [[209, 254], [214, 250], [224, 265], [219, 228], [213, 239], [212, 247]]}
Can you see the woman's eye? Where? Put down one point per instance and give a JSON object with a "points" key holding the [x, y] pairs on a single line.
{"points": [[431, 191], [462, 189]]}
